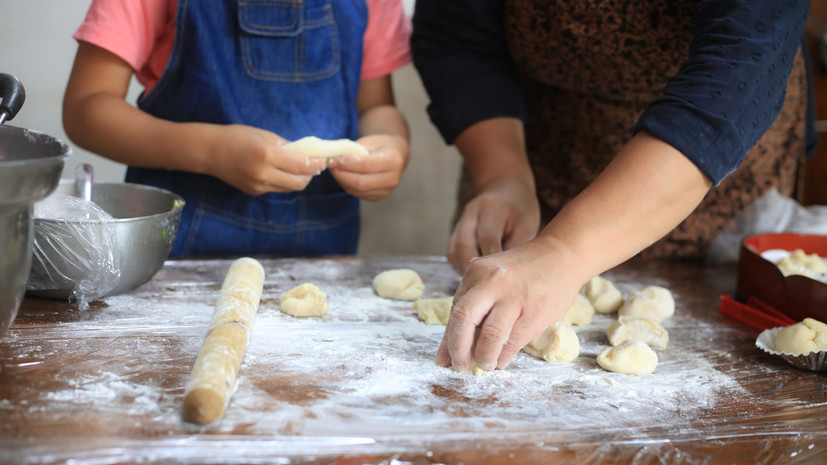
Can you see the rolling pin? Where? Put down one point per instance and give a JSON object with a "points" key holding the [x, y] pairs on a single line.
{"points": [[214, 376]]}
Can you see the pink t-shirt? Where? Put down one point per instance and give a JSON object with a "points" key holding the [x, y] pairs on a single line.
{"points": [[141, 33]]}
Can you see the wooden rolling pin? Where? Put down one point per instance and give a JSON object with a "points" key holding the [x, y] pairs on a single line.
{"points": [[214, 375]]}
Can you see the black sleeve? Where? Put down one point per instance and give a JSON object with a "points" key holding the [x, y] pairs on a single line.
{"points": [[460, 52]]}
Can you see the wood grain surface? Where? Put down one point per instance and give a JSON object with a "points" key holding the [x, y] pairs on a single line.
{"points": [[106, 385]]}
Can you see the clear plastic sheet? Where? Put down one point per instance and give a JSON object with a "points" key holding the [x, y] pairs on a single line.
{"points": [[75, 247], [358, 386], [771, 213]]}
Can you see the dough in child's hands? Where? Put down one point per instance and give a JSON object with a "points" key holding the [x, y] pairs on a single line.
{"points": [[653, 302], [557, 343], [312, 146], [399, 284], [434, 311], [807, 336], [580, 313], [638, 328], [304, 300], [630, 357], [602, 294]]}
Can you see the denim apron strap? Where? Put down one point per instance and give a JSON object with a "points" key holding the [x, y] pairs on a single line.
{"points": [[288, 66]]}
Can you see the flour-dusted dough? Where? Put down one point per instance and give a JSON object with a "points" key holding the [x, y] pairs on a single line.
{"points": [[638, 328], [304, 300], [602, 294], [808, 335], [557, 343], [312, 146], [800, 263], [434, 311], [630, 357], [653, 302], [580, 313], [399, 284]]}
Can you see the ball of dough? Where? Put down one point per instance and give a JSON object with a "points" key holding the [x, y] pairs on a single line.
{"points": [[312, 146], [653, 302], [638, 328], [304, 300], [557, 343], [802, 264], [602, 294], [630, 357], [400, 284], [804, 337], [580, 313], [434, 311]]}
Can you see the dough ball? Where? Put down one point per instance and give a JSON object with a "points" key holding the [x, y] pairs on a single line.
{"points": [[653, 302], [312, 146], [401, 284], [434, 311], [580, 313], [804, 337], [557, 343], [304, 300], [602, 294], [802, 264], [638, 328], [630, 357]]}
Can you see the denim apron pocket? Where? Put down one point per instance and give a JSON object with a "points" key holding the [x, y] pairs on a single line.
{"points": [[288, 41]]}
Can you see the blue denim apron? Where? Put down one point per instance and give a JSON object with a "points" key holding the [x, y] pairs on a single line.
{"points": [[288, 66]]}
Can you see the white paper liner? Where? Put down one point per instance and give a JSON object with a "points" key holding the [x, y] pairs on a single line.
{"points": [[814, 361]]}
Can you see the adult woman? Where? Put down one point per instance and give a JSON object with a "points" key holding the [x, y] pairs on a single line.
{"points": [[633, 111]]}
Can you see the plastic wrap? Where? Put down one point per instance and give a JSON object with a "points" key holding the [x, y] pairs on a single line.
{"points": [[75, 247], [771, 213]]}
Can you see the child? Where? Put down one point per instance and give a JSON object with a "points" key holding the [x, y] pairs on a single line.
{"points": [[227, 84]]}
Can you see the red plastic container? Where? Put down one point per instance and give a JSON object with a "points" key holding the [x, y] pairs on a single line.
{"points": [[796, 296]]}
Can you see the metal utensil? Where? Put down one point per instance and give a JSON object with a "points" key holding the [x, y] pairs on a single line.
{"points": [[84, 176]]}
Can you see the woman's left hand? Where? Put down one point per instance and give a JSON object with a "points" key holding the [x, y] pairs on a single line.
{"points": [[374, 176]]}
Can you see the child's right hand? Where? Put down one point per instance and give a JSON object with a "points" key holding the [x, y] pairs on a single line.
{"points": [[253, 161]]}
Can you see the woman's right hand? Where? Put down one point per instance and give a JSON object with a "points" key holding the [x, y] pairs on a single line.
{"points": [[254, 161], [506, 213]]}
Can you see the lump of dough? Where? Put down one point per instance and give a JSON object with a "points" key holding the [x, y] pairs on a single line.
{"points": [[638, 328], [557, 343], [312, 146], [804, 337], [400, 284], [580, 313], [602, 294], [653, 302], [630, 357], [304, 300], [800, 263], [434, 311]]}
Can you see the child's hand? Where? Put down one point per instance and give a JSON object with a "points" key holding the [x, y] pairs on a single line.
{"points": [[253, 161], [372, 177]]}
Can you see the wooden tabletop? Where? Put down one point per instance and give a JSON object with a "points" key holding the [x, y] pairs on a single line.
{"points": [[105, 385]]}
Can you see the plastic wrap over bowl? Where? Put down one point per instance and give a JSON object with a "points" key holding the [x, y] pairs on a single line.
{"points": [[87, 259]]}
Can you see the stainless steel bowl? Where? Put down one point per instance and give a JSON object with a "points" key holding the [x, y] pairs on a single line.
{"points": [[145, 221], [30, 167]]}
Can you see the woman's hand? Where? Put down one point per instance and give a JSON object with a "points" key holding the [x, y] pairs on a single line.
{"points": [[505, 214], [374, 176], [504, 300]]}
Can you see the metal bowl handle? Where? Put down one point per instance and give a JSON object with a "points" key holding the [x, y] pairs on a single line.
{"points": [[12, 95]]}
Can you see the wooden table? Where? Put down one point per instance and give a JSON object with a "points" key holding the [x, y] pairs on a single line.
{"points": [[105, 385]]}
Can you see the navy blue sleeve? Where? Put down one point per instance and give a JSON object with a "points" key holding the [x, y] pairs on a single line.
{"points": [[732, 86], [460, 52]]}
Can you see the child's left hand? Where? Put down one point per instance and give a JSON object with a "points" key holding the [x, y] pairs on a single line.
{"points": [[374, 176]]}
